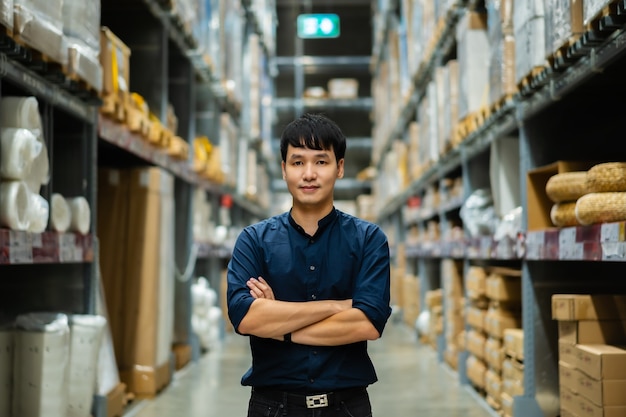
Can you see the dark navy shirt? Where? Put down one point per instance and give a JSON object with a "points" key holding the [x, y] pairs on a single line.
{"points": [[348, 258]]}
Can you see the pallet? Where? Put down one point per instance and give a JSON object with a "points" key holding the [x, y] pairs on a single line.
{"points": [[610, 18], [114, 106], [111, 405], [531, 81], [559, 59], [147, 382], [182, 355], [500, 103]]}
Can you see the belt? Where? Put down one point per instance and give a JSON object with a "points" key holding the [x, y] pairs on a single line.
{"points": [[326, 399]]}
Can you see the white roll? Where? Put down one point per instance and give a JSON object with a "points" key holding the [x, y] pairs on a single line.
{"points": [[38, 213], [21, 112], [14, 205], [40, 171], [18, 150], [60, 213], [81, 215]]}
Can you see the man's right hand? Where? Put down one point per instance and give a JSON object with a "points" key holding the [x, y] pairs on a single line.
{"points": [[259, 288]]}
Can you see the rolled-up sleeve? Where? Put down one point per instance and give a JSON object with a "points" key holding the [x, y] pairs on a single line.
{"points": [[242, 266], [372, 289]]}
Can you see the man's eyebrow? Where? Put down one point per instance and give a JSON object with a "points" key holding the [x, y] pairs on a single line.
{"points": [[321, 154]]}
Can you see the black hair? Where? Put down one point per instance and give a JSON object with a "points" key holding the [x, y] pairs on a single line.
{"points": [[313, 131]]}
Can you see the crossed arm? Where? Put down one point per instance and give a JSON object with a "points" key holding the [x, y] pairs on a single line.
{"points": [[321, 323]]}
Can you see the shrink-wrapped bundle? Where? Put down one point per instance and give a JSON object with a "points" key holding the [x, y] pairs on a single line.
{"points": [[81, 28], [39, 25], [85, 340], [23, 113], [38, 213], [60, 213], [19, 148], [42, 351], [6, 367], [80, 221], [6, 13], [14, 205]]}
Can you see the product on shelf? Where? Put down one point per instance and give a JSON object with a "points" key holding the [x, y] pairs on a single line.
{"points": [[601, 208], [19, 149], [42, 355], [606, 177], [80, 220], [60, 213], [38, 24], [567, 186], [7, 347], [14, 203], [86, 333]]}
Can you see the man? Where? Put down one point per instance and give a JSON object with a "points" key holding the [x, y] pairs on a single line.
{"points": [[310, 287]]}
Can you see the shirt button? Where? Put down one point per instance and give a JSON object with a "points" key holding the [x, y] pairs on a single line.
{"points": [[312, 267], [313, 297], [311, 380]]}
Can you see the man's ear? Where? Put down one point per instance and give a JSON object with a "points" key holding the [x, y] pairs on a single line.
{"points": [[282, 168], [340, 168]]}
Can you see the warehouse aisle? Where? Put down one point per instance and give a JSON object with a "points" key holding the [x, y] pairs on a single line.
{"points": [[411, 383]]}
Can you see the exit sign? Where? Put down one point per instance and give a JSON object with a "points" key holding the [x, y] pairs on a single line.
{"points": [[315, 26]]}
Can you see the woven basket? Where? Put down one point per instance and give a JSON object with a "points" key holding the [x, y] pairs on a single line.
{"points": [[564, 214], [607, 177], [567, 186], [601, 208]]}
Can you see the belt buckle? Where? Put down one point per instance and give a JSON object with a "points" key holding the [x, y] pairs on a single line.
{"points": [[316, 401]]}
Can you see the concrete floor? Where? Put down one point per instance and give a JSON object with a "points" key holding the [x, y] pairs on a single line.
{"points": [[411, 383]]}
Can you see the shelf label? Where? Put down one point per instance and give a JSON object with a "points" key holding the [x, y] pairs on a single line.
{"points": [[20, 247]]}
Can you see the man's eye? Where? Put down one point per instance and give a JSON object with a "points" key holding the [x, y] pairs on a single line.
{"points": [[322, 162]]}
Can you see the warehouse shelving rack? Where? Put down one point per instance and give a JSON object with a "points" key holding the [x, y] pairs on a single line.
{"points": [[59, 272], [561, 114]]}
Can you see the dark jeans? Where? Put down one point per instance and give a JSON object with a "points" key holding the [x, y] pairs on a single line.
{"points": [[262, 406]]}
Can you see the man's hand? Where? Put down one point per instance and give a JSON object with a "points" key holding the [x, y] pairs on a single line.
{"points": [[260, 289]]}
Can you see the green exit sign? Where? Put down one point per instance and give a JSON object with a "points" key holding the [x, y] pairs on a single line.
{"points": [[315, 26]]}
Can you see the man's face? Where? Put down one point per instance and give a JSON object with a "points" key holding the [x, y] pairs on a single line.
{"points": [[311, 174]]}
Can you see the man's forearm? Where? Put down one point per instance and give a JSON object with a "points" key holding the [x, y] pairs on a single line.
{"points": [[273, 318], [343, 328]]}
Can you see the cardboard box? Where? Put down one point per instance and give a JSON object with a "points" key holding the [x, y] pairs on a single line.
{"points": [[115, 61], [593, 331], [582, 407], [539, 205], [588, 307], [504, 288], [514, 343], [603, 392], [567, 352], [601, 361]]}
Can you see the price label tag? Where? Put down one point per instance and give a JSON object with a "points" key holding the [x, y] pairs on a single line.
{"points": [[610, 232], [535, 244], [67, 245], [20, 247]]}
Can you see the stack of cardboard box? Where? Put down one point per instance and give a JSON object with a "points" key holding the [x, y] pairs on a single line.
{"points": [[592, 354]]}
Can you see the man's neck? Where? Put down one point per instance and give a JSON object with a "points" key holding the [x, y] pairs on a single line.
{"points": [[309, 217]]}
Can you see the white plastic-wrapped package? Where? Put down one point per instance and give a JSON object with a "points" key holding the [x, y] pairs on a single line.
{"points": [[42, 351], [6, 13], [60, 213], [86, 337], [39, 24], [38, 213], [6, 368], [18, 149], [23, 113], [14, 205], [81, 22], [80, 215]]}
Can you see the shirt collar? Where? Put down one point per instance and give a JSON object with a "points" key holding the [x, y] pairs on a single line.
{"points": [[321, 224]]}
